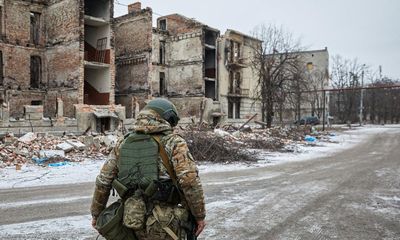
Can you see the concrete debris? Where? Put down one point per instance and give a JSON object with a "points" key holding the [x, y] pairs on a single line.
{"points": [[50, 154], [66, 147], [224, 144], [110, 140], [28, 138], [76, 144], [45, 149]]}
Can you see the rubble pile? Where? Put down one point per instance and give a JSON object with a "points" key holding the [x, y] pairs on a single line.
{"points": [[207, 146], [223, 146], [46, 149]]}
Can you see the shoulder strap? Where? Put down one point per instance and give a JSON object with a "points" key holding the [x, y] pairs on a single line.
{"points": [[165, 159]]}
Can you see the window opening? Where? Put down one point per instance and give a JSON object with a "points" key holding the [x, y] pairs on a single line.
{"points": [[1, 69], [162, 84], [36, 71], [35, 27], [36, 103], [162, 52], [163, 24]]}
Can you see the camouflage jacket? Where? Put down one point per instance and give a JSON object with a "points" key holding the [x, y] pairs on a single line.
{"points": [[180, 158]]}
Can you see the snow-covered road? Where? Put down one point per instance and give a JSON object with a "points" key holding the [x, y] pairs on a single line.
{"points": [[348, 190]]}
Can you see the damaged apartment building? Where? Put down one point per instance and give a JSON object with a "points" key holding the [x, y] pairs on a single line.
{"points": [[206, 75], [57, 65], [315, 77]]}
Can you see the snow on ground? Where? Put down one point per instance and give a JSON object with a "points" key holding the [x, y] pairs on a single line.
{"points": [[78, 225], [340, 141], [32, 175]]}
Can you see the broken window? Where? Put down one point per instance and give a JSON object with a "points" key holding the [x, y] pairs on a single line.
{"points": [[35, 27], [162, 52], [231, 51], [211, 38], [234, 108], [36, 103], [36, 71], [1, 22], [163, 24], [162, 84], [1, 69], [237, 109], [230, 109], [238, 52], [210, 89], [231, 81], [238, 82]]}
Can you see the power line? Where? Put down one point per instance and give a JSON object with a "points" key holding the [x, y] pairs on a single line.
{"points": [[125, 5], [154, 13]]}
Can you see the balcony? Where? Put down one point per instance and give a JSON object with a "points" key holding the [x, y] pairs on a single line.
{"points": [[95, 21], [238, 92], [236, 63]]}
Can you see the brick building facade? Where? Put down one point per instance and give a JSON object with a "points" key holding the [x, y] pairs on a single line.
{"points": [[181, 59], [57, 55]]}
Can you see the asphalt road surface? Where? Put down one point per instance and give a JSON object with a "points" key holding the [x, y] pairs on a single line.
{"points": [[354, 194]]}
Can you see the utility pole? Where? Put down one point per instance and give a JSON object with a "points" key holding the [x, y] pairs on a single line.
{"points": [[362, 98], [323, 109]]}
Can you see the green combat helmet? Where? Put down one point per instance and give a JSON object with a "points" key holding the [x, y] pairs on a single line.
{"points": [[165, 109]]}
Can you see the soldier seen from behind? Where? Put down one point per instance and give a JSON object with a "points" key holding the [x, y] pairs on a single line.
{"points": [[161, 196]]}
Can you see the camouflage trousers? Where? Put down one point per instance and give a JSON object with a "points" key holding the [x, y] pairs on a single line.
{"points": [[164, 224]]}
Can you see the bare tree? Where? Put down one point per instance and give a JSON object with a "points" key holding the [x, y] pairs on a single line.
{"points": [[295, 88], [346, 74], [382, 103], [274, 61]]}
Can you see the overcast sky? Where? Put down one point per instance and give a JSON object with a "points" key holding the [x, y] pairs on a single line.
{"points": [[366, 29]]}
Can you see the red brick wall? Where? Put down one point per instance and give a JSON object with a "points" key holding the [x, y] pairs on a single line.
{"points": [[133, 28]]}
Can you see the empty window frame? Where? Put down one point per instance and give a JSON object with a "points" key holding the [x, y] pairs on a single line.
{"points": [[36, 71], [238, 82], [1, 22], [234, 108], [162, 52], [163, 89], [35, 27], [237, 109], [230, 109], [1, 69], [237, 51], [231, 51], [231, 82], [36, 103], [163, 24]]}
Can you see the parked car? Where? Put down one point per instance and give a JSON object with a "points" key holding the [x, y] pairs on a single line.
{"points": [[308, 121]]}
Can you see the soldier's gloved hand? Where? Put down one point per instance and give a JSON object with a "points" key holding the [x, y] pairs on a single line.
{"points": [[94, 222], [200, 227]]}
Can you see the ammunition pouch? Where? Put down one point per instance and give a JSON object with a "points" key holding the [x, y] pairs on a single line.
{"points": [[121, 189], [135, 211], [164, 192], [109, 223]]}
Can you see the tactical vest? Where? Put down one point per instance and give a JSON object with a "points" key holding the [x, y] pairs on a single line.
{"points": [[138, 161]]}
